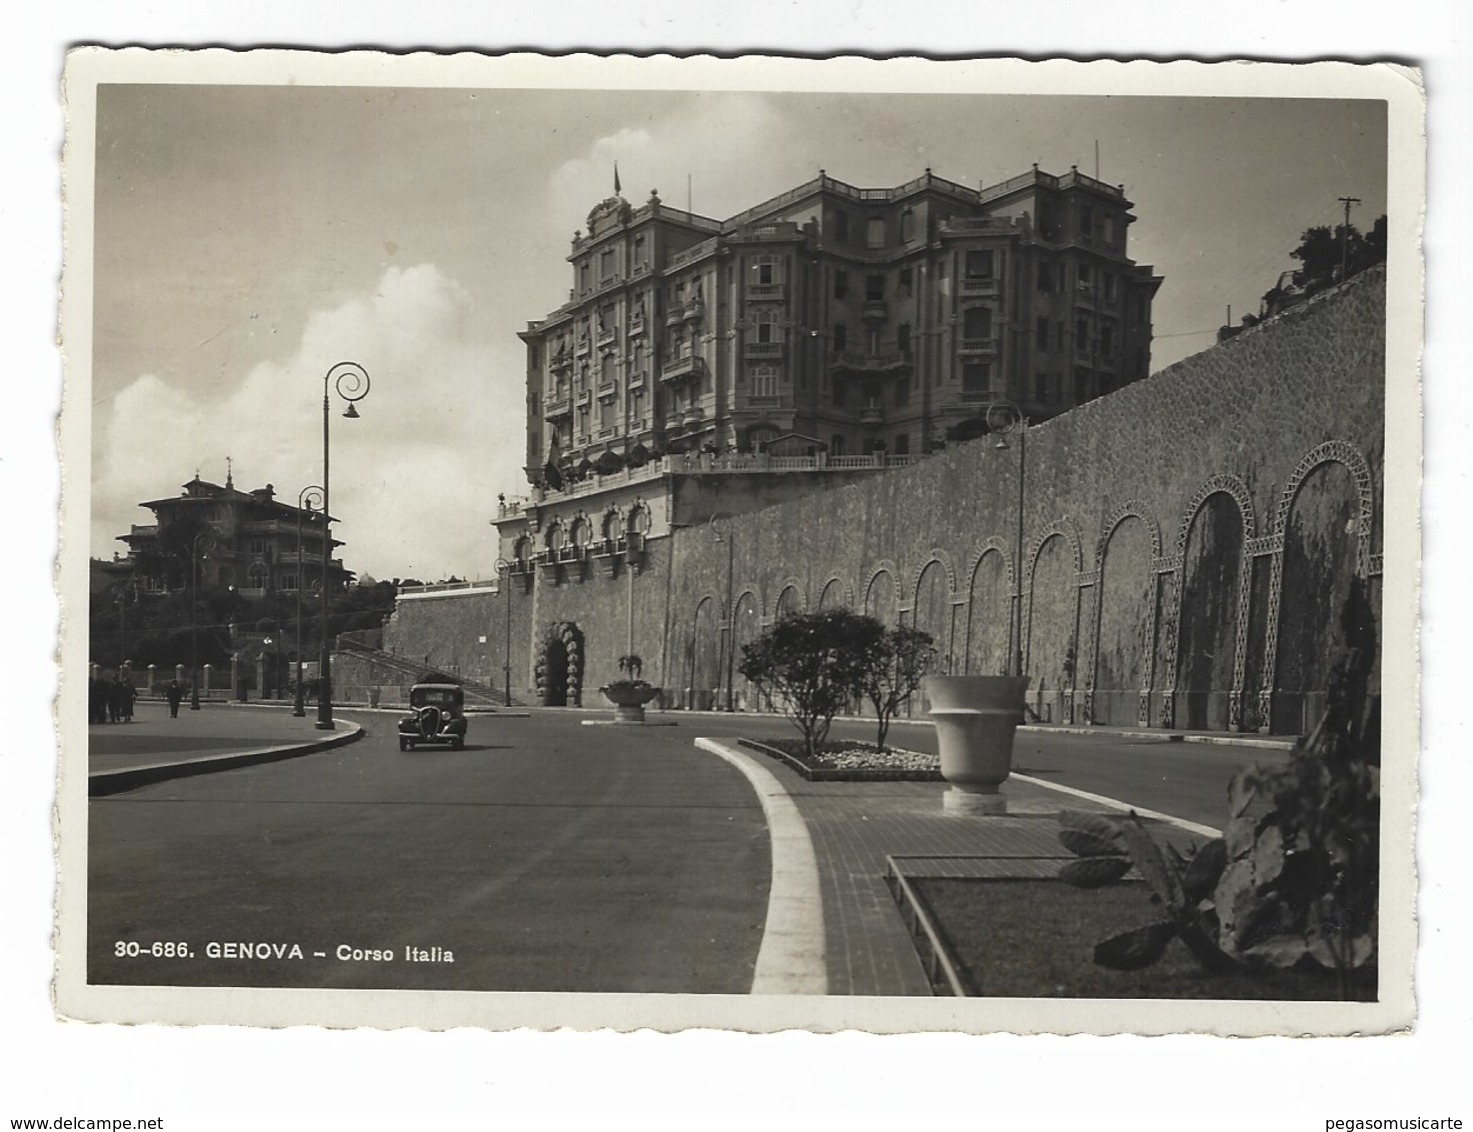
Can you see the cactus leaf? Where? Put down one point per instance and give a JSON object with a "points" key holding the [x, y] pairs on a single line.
{"points": [[1145, 854], [1204, 870], [1132, 950], [1090, 835], [1094, 872]]}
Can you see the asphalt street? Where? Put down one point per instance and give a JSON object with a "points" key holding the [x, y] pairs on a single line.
{"points": [[546, 856]]}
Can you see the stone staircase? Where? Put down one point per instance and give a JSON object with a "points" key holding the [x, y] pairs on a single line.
{"points": [[409, 672]]}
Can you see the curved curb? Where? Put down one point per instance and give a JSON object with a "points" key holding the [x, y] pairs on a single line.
{"points": [[793, 957], [103, 782]]}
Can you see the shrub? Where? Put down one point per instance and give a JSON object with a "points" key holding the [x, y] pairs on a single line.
{"points": [[813, 664], [893, 670]]}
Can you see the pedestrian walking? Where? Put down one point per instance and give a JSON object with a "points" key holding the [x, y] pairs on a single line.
{"points": [[175, 694], [96, 701], [127, 694]]}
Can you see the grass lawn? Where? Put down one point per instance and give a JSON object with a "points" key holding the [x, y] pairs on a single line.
{"points": [[1035, 939]]}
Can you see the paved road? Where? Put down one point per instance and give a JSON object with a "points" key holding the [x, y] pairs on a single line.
{"points": [[546, 856], [588, 860]]}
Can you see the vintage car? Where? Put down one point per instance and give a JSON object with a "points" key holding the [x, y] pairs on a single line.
{"points": [[436, 715]]}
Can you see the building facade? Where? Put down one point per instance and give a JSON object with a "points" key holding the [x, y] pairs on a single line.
{"points": [[831, 330], [257, 544]]}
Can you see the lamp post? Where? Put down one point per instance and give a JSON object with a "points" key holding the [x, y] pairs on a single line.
{"points": [[123, 593], [350, 380], [721, 530], [1003, 419], [503, 571], [200, 547], [307, 500]]}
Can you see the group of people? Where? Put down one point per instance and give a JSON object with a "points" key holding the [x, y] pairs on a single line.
{"points": [[110, 701]]}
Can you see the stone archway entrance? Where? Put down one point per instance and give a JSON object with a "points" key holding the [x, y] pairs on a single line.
{"points": [[560, 666]]}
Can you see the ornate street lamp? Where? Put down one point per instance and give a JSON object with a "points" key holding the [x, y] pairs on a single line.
{"points": [[308, 499], [503, 571], [200, 547], [721, 531], [350, 380], [1003, 419]]}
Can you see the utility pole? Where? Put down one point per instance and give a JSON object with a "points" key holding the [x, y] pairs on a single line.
{"points": [[1345, 236]]}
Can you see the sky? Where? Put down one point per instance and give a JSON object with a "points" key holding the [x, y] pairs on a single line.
{"points": [[249, 237]]}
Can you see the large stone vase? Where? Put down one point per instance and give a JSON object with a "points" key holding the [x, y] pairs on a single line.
{"points": [[629, 698], [976, 717]]}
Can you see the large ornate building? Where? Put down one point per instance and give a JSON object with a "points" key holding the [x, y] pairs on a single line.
{"points": [[256, 543], [832, 329]]}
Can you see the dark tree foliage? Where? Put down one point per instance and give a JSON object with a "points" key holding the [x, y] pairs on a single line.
{"points": [[813, 665], [1319, 255], [894, 670]]}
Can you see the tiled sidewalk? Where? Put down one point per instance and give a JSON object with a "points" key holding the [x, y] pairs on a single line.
{"points": [[856, 825]]}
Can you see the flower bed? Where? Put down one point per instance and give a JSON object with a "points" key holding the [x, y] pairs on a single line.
{"points": [[851, 761]]}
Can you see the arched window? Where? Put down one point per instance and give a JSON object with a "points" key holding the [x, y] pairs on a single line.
{"points": [[638, 522], [582, 531], [256, 577]]}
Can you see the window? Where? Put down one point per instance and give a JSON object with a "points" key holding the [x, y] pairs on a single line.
{"points": [[1108, 228], [584, 276], [606, 369], [979, 264], [1107, 339], [836, 445], [1086, 222], [976, 377], [872, 342], [1045, 278], [874, 288], [607, 413], [902, 339], [764, 381], [907, 226], [1086, 277], [764, 271], [977, 322], [902, 444], [902, 392], [639, 251], [874, 232], [760, 438], [256, 578], [907, 285], [289, 582], [606, 264], [838, 394], [1081, 385], [1041, 334], [841, 227], [1040, 387], [1111, 290], [258, 546], [841, 337], [1081, 334], [767, 327], [841, 284]]}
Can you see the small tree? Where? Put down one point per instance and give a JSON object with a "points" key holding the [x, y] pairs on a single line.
{"points": [[813, 664], [896, 666]]}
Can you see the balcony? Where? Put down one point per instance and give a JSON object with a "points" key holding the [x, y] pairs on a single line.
{"points": [[559, 406], [875, 310], [693, 366], [978, 285], [695, 310], [636, 325], [583, 345], [608, 337], [763, 350], [870, 363], [582, 397], [561, 362], [767, 292], [765, 402], [872, 412], [608, 390], [979, 347], [675, 316]]}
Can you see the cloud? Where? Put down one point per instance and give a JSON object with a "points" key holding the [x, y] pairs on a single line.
{"points": [[735, 144], [412, 478]]}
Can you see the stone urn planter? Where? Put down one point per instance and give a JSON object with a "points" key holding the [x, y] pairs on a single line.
{"points": [[629, 698], [975, 719]]}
